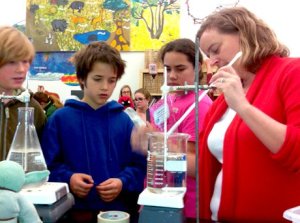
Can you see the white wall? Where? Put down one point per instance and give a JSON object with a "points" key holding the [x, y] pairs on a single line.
{"points": [[134, 63], [282, 16]]}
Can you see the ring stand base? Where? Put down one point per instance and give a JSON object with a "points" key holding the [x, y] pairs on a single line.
{"points": [[161, 208], [150, 214]]}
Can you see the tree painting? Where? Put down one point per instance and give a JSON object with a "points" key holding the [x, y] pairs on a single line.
{"points": [[159, 18], [120, 12]]}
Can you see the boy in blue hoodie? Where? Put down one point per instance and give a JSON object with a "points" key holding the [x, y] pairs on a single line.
{"points": [[87, 143]]}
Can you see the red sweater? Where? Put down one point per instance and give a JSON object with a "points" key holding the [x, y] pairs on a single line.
{"points": [[257, 185]]}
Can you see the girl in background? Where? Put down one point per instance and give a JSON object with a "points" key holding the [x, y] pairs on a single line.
{"points": [[142, 98], [125, 97]]}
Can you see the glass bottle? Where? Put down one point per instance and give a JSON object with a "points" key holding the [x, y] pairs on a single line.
{"points": [[25, 148]]}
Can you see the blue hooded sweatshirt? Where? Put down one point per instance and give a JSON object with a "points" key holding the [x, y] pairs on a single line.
{"points": [[80, 139]]}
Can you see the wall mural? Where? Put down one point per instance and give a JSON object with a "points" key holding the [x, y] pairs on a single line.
{"points": [[53, 66], [136, 25], [154, 23], [57, 28]]}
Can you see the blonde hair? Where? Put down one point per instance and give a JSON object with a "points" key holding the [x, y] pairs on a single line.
{"points": [[257, 40], [145, 92], [14, 46]]}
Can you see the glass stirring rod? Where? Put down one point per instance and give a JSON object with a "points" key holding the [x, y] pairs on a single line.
{"points": [[235, 58]]}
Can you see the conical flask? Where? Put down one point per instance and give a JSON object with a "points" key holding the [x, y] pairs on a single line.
{"points": [[25, 148]]}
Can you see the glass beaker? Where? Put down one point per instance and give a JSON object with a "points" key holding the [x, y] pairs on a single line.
{"points": [[167, 174], [25, 148]]}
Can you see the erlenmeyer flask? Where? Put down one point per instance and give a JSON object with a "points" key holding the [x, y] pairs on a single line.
{"points": [[25, 148]]}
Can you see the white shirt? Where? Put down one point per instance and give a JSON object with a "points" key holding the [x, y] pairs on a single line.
{"points": [[215, 144]]}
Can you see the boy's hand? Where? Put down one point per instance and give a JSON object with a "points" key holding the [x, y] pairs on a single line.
{"points": [[81, 184], [109, 189], [139, 139]]}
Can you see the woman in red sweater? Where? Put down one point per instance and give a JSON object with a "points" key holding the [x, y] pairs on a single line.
{"points": [[249, 165]]}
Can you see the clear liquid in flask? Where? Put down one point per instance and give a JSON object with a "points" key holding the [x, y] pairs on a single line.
{"points": [[25, 148]]}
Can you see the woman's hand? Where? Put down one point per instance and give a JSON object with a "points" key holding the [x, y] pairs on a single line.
{"points": [[269, 131], [230, 83]]}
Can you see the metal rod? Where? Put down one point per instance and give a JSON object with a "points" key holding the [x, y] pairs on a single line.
{"points": [[189, 87], [23, 97], [1, 128], [197, 87], [2, 97]]}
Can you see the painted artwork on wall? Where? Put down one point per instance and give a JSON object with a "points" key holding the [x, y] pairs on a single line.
{"points": [[154, 23], [64, 25], [127, 25], [53, 66]]}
